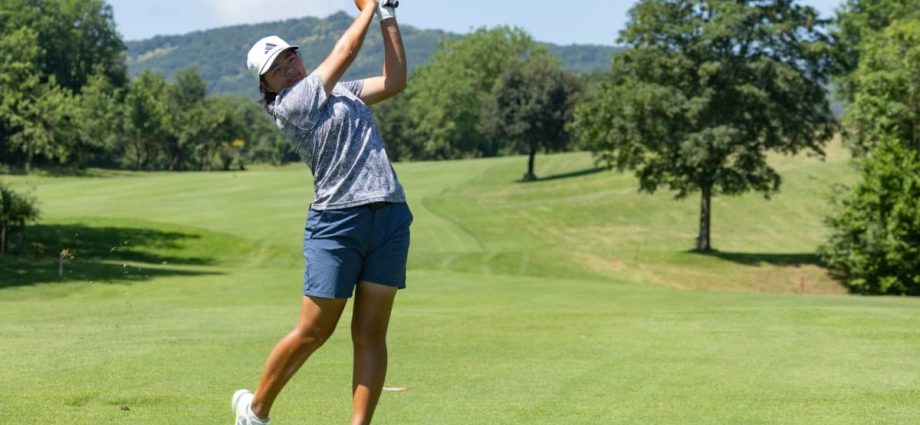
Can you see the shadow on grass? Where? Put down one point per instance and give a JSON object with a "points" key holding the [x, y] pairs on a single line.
{"points": [[56, 172], [793, 259], [100, 254], [579, 173]]}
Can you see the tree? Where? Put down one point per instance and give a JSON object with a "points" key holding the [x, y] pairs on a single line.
{"points": [[46, 124], [875, 240], [264, 142], [147, 120], [228, 152], [856, 21], [392, 122], [100, 123], [48, 51], [37, 114], [217, 126], [18, 59], [445, 97], [532, 102], [185, 97], [175, 126], [705, 90], [875, 232], [884, 88], [15, 212], [78, 38]]}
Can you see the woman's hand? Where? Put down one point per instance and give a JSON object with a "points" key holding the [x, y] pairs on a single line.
{"points": [[363, 4]]}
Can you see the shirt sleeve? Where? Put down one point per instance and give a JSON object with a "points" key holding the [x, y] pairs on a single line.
{"points": [[353, 86], [299, 103]]}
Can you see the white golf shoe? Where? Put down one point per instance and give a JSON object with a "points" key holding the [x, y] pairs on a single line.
{"points": [[240, 403]]}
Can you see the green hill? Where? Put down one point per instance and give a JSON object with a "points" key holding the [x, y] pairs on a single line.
{"points": [[570, 300], [219, 54]]}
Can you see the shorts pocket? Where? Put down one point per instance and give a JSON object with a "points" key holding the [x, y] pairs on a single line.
{"points": [[312, 222], [408, 214]]}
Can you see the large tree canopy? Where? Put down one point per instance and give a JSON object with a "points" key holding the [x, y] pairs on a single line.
{"points": [[444, 99], [705, 90], [450, 109], [877, 66], [49, 50], [77, 38], [886, 88], [858, 20]]}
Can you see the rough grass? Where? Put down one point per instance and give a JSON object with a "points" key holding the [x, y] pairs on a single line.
{"points": [[570, 300]]}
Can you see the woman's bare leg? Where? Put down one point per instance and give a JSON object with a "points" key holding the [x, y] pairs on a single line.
{"points": [[373, 303], [318, 318]]}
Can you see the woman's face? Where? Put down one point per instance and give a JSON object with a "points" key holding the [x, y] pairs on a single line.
{"points": [[285, 70]]}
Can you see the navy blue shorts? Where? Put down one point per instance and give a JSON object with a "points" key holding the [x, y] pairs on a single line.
{"points": [[365, 243]]}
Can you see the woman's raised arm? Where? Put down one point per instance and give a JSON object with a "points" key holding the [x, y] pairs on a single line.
{"points": [[346, 49], [393, 79]]}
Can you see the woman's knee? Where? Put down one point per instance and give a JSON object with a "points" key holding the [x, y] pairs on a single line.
{"points": [[318, 319], [311, 337], [368, 336]]}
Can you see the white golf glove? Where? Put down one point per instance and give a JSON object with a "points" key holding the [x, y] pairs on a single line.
{"points": [[386, 9]]}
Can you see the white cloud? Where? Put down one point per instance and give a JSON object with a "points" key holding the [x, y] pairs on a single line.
{"points": [[232, 12]]}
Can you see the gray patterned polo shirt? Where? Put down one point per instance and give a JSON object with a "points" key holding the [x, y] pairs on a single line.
{"points": [[336, 137]]}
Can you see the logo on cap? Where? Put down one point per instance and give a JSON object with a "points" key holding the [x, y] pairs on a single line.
{"points": [[269, 47]]}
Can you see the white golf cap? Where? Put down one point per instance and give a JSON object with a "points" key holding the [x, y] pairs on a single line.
{"points": [[264, 52]]}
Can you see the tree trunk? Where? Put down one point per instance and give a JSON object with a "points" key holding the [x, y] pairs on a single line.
{"points": [[148, 156], [3, 239], [530, 176], [29, 154], [174, 150], [703, 243], [137, 154]]}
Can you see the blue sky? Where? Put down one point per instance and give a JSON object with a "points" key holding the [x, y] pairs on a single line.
{"points": [[570, 21]]}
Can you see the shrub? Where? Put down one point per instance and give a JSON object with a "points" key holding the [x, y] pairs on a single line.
{"points": [[875, 241], [15, 212]]}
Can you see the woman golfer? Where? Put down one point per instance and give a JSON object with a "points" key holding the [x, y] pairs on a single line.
{"points": [[356, 237]]}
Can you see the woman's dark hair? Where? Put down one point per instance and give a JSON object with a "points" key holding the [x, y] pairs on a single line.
{"points": [[266, 97]]}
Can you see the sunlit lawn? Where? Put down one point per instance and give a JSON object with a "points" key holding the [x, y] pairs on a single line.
{"points": [[571, 300]]}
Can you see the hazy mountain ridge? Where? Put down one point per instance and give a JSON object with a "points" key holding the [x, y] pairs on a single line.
{"points": [[220, 53]]}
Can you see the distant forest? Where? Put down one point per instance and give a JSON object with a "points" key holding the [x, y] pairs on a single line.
{"points": [[219, 54]]}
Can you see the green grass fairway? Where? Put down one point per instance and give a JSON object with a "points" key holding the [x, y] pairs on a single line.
{"points": [[570, 300]]}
